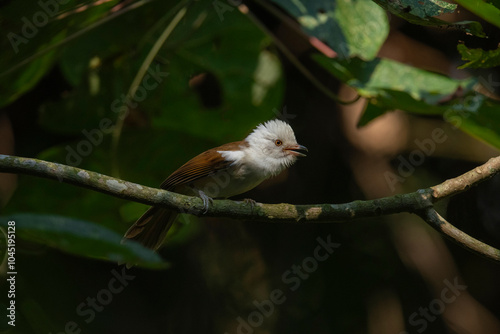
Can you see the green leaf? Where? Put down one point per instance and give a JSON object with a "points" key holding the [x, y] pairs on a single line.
{"points": [[371, 112], [389, 85], [479, 58], [81, 238], [420, 8], [381, 76], [387, 99], [231, 58], [473, 113], [350, 28], [483, 9], [242, 76], [423, 12], [14, 85], [478, 116]]}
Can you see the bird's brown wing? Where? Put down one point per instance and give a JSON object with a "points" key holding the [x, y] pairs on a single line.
{"points": [[201, 166]]}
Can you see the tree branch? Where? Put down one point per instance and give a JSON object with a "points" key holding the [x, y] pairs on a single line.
{"points": [[419, 202], [442, 225], [461, 183]]}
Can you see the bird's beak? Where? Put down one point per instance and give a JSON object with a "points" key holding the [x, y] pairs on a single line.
{"points": [[296, 150]]}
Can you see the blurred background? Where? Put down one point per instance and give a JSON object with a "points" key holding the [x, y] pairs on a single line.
{"points": [[133, 89]]}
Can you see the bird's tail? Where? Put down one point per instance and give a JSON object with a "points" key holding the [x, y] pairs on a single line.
{"points": [[152, 227]]}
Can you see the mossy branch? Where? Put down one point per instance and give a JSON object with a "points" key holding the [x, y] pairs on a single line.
{"points": [[420, 202]]}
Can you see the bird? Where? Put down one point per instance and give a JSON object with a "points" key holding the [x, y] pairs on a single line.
{"points": [[221, 172]]}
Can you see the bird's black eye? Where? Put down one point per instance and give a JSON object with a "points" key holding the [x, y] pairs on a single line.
{"points": [[278, 142]]}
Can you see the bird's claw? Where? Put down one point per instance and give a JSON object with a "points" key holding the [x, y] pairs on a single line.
{"points": [[206, 201], [250, 202]]}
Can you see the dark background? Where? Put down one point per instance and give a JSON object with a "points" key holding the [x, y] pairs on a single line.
{"points": [[384, 269]]}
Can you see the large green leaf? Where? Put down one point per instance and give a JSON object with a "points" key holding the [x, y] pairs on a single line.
{"points": [[374, 77], [389, 85], [245, 85], [81, 238], [245, 78], [350, 28]]}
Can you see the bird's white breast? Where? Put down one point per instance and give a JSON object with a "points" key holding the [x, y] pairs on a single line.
{"points": [[240, 177]]}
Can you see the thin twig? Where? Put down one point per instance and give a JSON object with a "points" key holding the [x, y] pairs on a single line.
{"points": [[461, 183], [442, 225]]}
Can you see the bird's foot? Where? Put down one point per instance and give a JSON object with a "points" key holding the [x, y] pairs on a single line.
{"points": [[250, 202], [206, 201]]}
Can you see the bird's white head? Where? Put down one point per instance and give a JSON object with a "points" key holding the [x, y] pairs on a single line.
{"points": [[274, 147]]}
